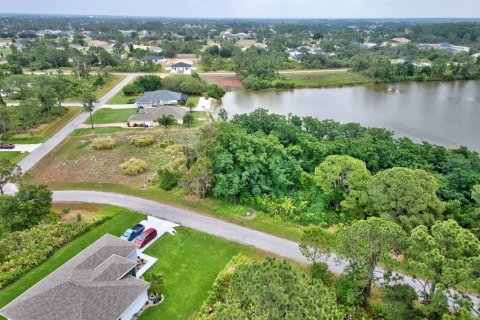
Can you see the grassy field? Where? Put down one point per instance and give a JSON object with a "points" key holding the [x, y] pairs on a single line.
{"points": [[107, 115], [120, 98], [87, 131], [46, 131], [190, 261], [13, 156], [326, 79], [194, 99], [121, 220]]}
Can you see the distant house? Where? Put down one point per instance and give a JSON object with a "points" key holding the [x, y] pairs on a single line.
{"points": [[260, 46], [153, 99], [186, 56], [149, 116], [181, 67], [401, 40], [154, 59], [98, 283], [294, 53], [98, 43], [427, 46], [155, 49]]}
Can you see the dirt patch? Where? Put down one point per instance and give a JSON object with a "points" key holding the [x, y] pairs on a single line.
{"points": [[250, 215], [227, 82]]}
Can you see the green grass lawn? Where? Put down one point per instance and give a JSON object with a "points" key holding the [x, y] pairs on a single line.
{"points": [[13, 156], [190, 261], [88, 131], [121, 220], [201, 119], [120, 98], [107, 115], [46, 131], [194, 99], [326, 79]]}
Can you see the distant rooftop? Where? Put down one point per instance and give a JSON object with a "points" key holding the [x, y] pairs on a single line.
{"points": [[93, 285]]}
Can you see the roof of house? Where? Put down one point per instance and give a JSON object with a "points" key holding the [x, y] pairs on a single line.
{"points": [[187, 56], [160, 95], [93, 285], [181, 65], [152, 57], [151, 114]]}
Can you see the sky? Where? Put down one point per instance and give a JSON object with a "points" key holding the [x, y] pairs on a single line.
{"points": [[251, 8]]}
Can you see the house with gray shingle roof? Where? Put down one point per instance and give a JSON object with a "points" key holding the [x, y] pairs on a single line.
{"points": [[149, 116], [99, 283], [153, 99]]}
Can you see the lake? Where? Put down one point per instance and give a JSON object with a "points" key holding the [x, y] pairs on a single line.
{"points": [[445, 113]]}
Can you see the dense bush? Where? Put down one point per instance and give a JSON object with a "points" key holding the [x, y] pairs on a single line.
{"points": [[143, 141], [185, 83], [133, 167], [103, 143], [142, 84], [25, 250], [214, 91], [168, 179]]}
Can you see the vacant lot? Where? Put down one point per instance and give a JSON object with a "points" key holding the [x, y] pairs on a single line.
{"points": [[121, 220], [326, 79], [190, 262], [75, 161], [107, 115], [46, 131], [227, 82]]}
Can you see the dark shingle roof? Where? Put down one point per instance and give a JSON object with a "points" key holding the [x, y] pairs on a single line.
{"points": [[90, 286], [150, 114], [159, 95], [181, 65]]}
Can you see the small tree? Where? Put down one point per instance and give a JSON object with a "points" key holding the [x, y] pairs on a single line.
{"points": [[222, 115], [88, 99], [188, 119], [190, 105], [9, 172], [166, 121], [157, 283]]}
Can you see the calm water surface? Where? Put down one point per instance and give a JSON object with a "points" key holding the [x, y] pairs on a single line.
{"points": [[446, 113]]}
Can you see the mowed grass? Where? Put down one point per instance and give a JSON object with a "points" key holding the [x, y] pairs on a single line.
{"points": [[46, 131], [120, 221], [190, 261], [326, 79], [88, 131], [121, 98], [107, 115], [13, 156]]}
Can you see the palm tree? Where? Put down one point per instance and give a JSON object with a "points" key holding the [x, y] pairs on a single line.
{"points": [[157, 283], [166, 121], [88, 99], [188, 119]]}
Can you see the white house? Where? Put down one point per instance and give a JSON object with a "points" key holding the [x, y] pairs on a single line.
{"points": [[181, 67], [98, 283]]}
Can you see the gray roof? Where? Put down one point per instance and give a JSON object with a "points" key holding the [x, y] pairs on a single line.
{"points": [[151, 114], [93, 285], [181, 65], [159, 95]]}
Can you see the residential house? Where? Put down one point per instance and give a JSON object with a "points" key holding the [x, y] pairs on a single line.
{"points": [[148, 117], [154, 59], [153, 99], [186, 56], [155, 49], [98, 43], [401, 40], [99, 283], [260, 46], [181, 67], [294, 53]]}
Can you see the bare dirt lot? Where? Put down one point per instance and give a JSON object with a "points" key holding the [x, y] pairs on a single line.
{"points": [[227, 82]]}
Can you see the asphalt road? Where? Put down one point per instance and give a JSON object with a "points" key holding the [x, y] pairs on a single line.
{"points": [[213, 226]]}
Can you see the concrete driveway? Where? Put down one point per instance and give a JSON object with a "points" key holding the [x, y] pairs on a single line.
{"points": [[24, 147]]}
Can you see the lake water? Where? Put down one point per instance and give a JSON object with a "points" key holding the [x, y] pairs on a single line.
{"points": [[445, 113]]}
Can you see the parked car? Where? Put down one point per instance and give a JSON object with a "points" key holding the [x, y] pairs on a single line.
{"points": [[7, 146], [133, 232], [147, 236]]}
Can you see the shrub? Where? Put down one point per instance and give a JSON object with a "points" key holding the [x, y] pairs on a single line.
{"points": [[133, 167], [143, 141], [214, 91], [104, 143], [168, 179]]}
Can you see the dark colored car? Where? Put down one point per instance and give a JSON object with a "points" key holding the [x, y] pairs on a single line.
{"points": [[133, 232], [147, 236], [7, 146]]}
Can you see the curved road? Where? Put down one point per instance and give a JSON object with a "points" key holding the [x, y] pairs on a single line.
{"points": [[216, 227]]}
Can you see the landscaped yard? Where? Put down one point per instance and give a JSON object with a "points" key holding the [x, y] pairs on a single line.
{"points": [[121, 98], [190, 261], [326, 79], [121, 220], [107, 115], [46, 131], [13, 156]]}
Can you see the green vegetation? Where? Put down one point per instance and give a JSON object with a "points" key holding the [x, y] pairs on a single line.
{"points": [[88, 131], [142, 84], [190, 261], [121, 98], [13, 156], [110, 83], [107, 115], [120, 219], [103, 143], [133, 167], [325, 79]]}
